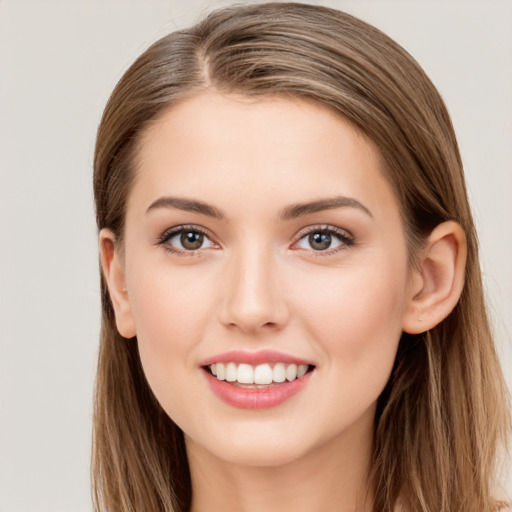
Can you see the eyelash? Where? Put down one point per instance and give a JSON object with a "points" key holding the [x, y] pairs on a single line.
{"points": [[345, 238], [178, 230]]}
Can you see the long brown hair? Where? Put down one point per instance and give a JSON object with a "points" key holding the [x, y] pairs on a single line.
{"points": [[443, 414]]}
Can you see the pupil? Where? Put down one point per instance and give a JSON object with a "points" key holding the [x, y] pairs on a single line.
{"points": [[191, 240], [320, 241]]}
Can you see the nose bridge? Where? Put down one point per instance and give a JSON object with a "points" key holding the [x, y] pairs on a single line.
{"points": [[253, 296]]}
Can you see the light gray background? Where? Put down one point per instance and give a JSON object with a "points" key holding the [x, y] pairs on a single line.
{"points": [[59, 61]]}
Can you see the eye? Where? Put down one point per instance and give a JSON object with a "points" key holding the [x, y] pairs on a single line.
{"points": [[184, 239], [324, 239]]}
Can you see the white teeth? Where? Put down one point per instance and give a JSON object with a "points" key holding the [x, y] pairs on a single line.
{"points": [[279, 373], [301, 370], [262, 374], [231, 373], [221, 371], [291, 372], [245, 374]]}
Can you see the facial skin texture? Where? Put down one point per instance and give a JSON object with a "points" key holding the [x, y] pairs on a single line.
{"points": [[256, 284]]}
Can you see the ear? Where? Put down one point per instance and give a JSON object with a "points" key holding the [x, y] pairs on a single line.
{"points": [[438, 280], [113, 271]]}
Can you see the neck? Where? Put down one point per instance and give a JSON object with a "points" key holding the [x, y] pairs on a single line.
{"points": [[333, 477]]}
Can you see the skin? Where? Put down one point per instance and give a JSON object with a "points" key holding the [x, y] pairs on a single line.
{"points": [[257, 283]]}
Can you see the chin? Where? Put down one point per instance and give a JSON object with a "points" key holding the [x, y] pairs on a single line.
{"points": [[256, 444], [261, 454]]}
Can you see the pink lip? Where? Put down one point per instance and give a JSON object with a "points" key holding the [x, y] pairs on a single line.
{"points": [[254, 358], [255, 398]]}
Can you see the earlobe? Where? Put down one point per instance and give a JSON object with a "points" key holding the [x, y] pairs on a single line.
{"points": [[438, 281], [113, 271]]}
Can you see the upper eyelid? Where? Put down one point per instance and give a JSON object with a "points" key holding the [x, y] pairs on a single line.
{"points": [[184, 227], [345, 237], [170, 233], [325, 228]]}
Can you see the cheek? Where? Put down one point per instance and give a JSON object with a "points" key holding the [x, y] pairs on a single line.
{"points": [[355, 314], [167, 308], [171, 310], [165, 300], [357, 328]]}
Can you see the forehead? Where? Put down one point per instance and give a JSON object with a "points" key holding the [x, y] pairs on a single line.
{"points": [[232, 145]]}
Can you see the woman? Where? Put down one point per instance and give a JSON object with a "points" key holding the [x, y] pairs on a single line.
{"points": [[293, 315]]}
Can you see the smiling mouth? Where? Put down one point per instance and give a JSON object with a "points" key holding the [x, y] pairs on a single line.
{"points": [[258, 376]]}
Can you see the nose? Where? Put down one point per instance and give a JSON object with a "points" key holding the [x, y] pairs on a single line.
{"points": [[253, 297]]}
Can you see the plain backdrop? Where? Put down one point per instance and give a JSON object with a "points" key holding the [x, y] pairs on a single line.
{"points": [[59, 60]]}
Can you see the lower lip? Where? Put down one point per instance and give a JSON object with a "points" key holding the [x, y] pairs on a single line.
{"points": [[256, 398]]}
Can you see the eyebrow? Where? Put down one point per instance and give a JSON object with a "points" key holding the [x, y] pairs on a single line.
{"points": [[300, 209], [188, 205], [291, 212]]}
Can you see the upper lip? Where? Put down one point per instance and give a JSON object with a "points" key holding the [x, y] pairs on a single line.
{"points": [[254, 358]]}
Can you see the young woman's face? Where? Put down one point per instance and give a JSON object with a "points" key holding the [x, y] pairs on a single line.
{"points": [[262, 239]]}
